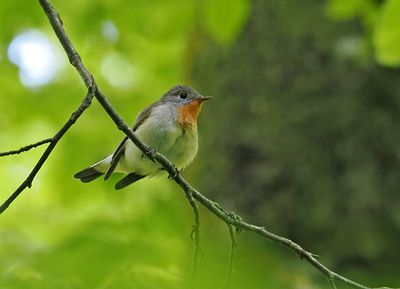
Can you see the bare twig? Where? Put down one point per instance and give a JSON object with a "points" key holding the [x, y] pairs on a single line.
{"points": [[195, 235], [231, 255], [53, 142], [332, 283], [162, 160], [26, 148]]}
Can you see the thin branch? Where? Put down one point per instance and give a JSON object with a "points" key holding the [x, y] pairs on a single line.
{"points": [[229, 218], [332, 283], [302, 253], [54, 140], [26, 148], [73, 56], [195, 234], [231, 255]]}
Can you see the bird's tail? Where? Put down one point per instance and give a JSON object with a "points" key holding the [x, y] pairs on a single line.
{"points": [[94, 171], [87, 175]]}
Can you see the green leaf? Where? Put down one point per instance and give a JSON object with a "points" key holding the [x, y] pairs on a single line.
{"points": [[344, 9], [224, 19], [386, 38]]}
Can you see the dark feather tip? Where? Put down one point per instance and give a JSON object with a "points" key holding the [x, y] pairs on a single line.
{"points": [[127, 180], [87, 175]]}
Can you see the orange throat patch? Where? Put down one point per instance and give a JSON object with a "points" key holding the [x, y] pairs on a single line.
{"points": [[187, 114]]}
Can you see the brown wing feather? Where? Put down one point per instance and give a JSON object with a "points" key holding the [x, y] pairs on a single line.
{"points": [[144, 115], [119, 152]]}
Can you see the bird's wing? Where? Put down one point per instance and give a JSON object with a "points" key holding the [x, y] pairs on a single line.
{"points": [[119, 152], [144, 115]]}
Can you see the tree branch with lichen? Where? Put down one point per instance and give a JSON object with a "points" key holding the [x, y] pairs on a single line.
{"points": [[230, 218]]}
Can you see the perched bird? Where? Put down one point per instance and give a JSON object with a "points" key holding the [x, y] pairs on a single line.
{"points": [[168, 125]]}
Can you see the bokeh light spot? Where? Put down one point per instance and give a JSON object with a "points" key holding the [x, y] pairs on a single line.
{"points": [[38, 59], [117, 70], [110, 31]]}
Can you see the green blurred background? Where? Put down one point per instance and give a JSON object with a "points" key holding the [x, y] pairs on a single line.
{"points": [[303, 136]]}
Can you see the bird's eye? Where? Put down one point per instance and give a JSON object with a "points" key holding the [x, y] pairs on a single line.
{"points": [[183, 95]]}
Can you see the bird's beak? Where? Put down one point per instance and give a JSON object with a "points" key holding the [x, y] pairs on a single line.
{"points": [[204, 98]]}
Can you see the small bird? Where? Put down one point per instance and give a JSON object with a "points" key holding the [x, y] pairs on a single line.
{"points": [[168, 126]]}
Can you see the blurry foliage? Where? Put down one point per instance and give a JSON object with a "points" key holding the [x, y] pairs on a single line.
{"points": [[306, 138], [387, 34], [301, 135], [381, 22], [224, 19]]}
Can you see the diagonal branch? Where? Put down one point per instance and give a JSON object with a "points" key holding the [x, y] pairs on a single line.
{"points": [[229, 218], [53, 142], [26, 148]]}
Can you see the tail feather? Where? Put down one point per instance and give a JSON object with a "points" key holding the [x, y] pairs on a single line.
{"points": [[100, 168], [127, 180], [87, 175]]}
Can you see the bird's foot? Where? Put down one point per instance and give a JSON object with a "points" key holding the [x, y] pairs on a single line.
{"points": [[174, 174], [150, 152], [236, 219]]}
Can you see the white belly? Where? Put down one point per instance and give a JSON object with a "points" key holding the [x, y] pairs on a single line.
{"points": [[178, 145]]}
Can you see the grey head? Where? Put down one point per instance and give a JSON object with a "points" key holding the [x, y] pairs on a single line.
{"points": [[182, 95]]}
